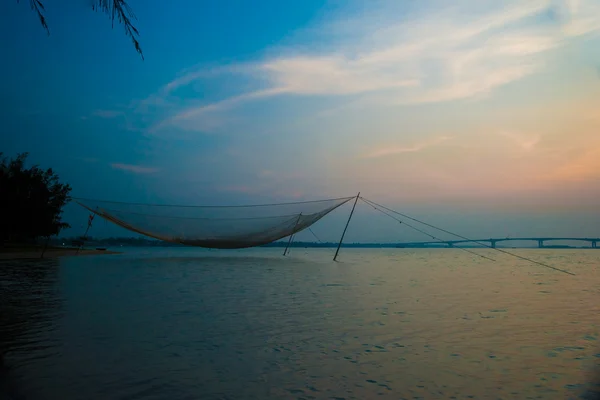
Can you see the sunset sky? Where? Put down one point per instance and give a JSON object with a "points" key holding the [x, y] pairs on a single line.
{"points": [[479, 111]]}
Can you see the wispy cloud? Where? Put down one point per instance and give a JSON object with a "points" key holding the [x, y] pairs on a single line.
{"points": [[584, 167], [136, 169], [244, 189], [455, 52], [266, 173], [107, 113], [394, 150], [525, 142], [188, 117], [580, 17], [193, 74], [89, 160]]}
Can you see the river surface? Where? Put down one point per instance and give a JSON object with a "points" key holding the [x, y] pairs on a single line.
{"points": [[387, 324]]}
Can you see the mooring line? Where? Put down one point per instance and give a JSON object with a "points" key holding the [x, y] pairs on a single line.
{"points": [[469, 240], [423, 232]]}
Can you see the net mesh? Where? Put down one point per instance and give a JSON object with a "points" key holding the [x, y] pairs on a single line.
{"points": [[217, 227]]}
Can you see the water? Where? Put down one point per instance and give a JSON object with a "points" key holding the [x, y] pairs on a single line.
{"points": [[392, 324]]}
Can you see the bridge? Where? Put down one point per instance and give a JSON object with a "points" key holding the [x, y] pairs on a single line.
{"points": [[493, 241]]}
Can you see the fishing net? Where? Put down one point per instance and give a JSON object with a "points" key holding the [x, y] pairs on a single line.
{"points": [[217, 227]]}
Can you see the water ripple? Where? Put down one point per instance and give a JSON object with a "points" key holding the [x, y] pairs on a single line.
{"points": [[254, 325]]}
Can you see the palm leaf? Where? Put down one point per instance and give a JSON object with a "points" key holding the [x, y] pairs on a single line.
{"points": [[116, 9], [38, 7], [120, 10]]}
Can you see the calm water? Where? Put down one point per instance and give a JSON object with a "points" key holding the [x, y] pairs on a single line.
{"points": [[192, 324]]}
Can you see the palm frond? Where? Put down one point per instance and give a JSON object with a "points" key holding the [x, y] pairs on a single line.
{"points": [[117, 9], [38, 7], [121, 11]]}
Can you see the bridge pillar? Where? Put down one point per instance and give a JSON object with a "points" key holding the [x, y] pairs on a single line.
{"points": [[540, 243], [594, 244], [493, 242]]}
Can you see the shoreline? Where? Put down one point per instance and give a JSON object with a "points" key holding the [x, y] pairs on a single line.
{"points": [[51, 252]]}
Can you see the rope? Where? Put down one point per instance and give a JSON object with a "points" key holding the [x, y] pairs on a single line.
{"points": [[314, 234], [331, 249], [112, 211], [470, 240], [344, 199], [423, 232]]}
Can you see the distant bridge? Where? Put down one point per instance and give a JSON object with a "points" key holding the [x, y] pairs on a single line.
{"points": [[493, 241]]}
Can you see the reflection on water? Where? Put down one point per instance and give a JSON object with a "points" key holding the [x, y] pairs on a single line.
{"points": [[29, 311], [187, 324]]}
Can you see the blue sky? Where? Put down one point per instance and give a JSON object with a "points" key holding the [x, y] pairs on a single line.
{"points": [[486, 111]]}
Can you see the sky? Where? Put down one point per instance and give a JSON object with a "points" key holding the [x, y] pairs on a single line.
{"points": [[480, 116]]}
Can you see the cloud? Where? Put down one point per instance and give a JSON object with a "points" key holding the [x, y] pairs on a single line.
{"points": [[107, 113], [244, 189], [578, 159], [470, 87], [183, 117], [525, 142], [282, 193], [582, 168], [136, 169], [393, 150], [438, 53], [266, 173], [580, 17], [332, 75], [193, 74]]}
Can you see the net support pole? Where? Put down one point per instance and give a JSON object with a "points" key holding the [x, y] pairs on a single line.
{"points": [[45, 246], [286, 251], [346, 227], [292, 235], [89, 225]]}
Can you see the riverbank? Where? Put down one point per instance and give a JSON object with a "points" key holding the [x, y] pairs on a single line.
{"points": [[50, 252]]}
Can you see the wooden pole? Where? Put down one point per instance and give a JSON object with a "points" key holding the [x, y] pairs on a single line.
{"points": [[292, 235], [346, 227], [286, 251], [89, 225], [45, 246]]}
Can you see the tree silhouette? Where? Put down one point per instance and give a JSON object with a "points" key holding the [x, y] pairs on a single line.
{"points": [[116, 9], [31, 201]]}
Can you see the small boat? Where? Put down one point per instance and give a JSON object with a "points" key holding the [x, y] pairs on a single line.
{"points": [[101, 248]]}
